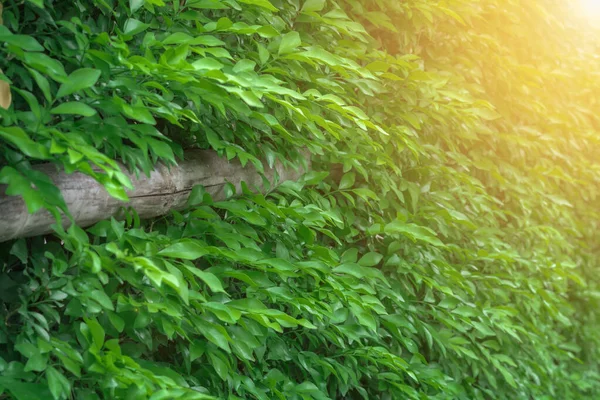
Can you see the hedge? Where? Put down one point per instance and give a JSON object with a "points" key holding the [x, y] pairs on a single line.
{"points": [[443, 245]]}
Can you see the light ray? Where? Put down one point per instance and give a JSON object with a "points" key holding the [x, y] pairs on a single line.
{"points": [[591, 8]]}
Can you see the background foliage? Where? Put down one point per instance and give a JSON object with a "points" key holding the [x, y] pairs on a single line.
{"points": [[443, 247]]}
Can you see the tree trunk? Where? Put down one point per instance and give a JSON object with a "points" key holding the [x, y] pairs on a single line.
{"points": [[166, 189]]}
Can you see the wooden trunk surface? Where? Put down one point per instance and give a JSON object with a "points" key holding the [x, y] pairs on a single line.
{"points": [[166, 189]]}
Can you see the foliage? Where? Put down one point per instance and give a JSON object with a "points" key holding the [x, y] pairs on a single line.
{"points": [[443, 246]]}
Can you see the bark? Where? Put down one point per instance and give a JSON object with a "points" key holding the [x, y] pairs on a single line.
{"points": [[166, 189]]}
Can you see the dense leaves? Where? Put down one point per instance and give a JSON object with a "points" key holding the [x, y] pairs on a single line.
{"points": [[443, 247]]}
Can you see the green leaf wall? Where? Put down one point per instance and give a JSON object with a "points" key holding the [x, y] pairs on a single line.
{"points": [[443, 247]]}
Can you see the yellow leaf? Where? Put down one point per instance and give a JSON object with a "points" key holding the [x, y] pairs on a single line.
{"points": [[5, 96]]}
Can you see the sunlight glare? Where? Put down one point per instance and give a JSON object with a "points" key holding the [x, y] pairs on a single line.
{"points": [[591, 8]]}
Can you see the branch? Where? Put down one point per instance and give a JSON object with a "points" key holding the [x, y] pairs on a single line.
{"points": [[166, 189]]}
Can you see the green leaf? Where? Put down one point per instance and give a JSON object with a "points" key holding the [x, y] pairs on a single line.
{"points": [[507, 375], [216, 334], [207, 4], [347, 181], [314, 178], [186, 250], [37, 363], [102, 298], [261, 3], [116, 190], [465, 311], [210, 279], [229, 189], [161, 149], [19, 185], [42, 83], [263, 54], [351, 269], [449, 302], [244, 66], [74, 108], [199, 195], [221, 367], [197, 349], [23, 142], [207, 63], [80, 79], [25, 42], [19, 250], [46, 65], [57, 383], [71, 365], [135, 5], [313, 5], [486, 113], [37, 3], [97, 332], [350, 255], [414, 232], [141, 114], [177, 38], [366, 194], [116, 321], [370, 259], [251, 99], [24, 391], [289, 42], [209, 40], [133, 27]]}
